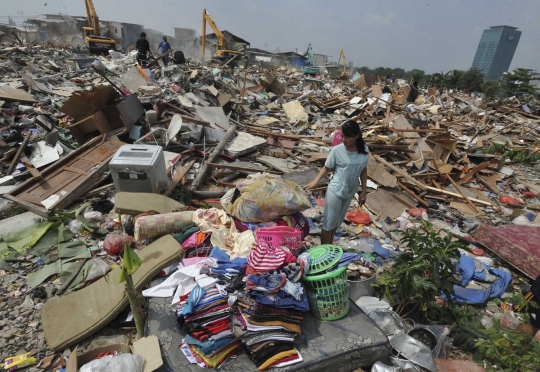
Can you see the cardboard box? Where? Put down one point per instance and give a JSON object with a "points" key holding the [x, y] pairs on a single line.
{"points": [[101, 110], [147, 347]]}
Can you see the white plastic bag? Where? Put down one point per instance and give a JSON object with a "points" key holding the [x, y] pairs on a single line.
{"points": [[118, 363]]}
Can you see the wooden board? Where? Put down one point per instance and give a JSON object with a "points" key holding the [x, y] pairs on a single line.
{"points": [[382, 203], [12, 94], [69, 178]]}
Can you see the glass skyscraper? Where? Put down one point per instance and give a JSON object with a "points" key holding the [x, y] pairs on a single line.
{"points": [[496, 50]]}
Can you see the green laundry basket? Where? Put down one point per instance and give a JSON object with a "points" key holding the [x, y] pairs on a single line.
{"points": [[328, 292]]}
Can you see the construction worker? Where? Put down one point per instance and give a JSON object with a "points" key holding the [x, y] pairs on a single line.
{"points": [[143, 47], [165, 50]]}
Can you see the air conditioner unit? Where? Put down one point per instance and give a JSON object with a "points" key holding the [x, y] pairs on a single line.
{"points": [[139, 168]]}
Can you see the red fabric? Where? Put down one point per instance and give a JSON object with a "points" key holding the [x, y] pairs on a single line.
{"points": [[507, 199], [518, 245]]}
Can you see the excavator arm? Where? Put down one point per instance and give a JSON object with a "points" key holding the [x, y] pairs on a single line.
{"points": [[93, 20], [342, 54], [221, 38], [92, 34]]}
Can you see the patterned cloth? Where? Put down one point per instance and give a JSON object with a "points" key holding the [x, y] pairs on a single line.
{"points": [[148, 227]]}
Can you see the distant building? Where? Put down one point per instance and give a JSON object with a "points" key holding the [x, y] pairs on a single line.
{"points": [[185, 36], [496, 50], [125, 34]]}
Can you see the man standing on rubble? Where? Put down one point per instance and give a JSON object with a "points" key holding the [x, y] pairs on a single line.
{"points": [[143, 47], [165, 50], [348, 161], [413, 92]]}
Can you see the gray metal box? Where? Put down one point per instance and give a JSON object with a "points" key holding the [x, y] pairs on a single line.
{"points": [[139, 168]]}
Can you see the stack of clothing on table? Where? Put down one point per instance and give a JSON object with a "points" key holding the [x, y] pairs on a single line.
{"points": [[206, 314], [270, 312]]}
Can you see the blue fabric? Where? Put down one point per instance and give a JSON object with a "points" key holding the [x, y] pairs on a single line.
{"points": [[270, 282], [195, 296], [208, 347], [347, 258], [219, 254], [164, 47], [383, 252], [281, 300], [335, 210], [224, 264], [471, 269]]}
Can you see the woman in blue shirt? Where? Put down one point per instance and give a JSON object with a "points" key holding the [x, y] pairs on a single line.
{"points": [[348, 161]]}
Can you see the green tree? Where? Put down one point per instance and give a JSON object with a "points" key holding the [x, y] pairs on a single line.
{"points": [[492, 88], [472, 80], [417, 75], [440, 80], [453, 79], [397, 73], [519, 82]]}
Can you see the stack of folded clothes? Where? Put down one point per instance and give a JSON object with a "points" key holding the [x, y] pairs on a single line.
{"points": [[206, 318], [270, 311]]}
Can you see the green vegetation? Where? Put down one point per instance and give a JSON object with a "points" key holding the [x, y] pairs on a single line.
{"points": [[422, 273]]}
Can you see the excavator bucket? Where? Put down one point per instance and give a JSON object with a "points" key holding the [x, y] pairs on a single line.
{"points": [[101, 46]]}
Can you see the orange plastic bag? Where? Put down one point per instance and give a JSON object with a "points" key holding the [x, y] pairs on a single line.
{"points": [[359, 218]]}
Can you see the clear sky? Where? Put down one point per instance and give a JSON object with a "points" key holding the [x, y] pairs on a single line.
{"points": [[433, 35]]}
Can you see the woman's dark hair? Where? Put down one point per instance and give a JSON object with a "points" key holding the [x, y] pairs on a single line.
{"points": [[351, 129]]}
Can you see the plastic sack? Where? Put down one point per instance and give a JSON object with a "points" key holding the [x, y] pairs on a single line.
{"points": [[118, 363], [416, 212], [359, 218], [507, 199], [75, 227], [263, 198], [114, 243]]}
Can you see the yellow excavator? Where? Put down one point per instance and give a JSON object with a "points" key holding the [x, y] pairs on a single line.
{"points": [[342, 55], [221, 38], [92, 36]]}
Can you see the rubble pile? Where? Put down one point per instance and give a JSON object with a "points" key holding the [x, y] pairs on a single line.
{"points": [[70, 124]]}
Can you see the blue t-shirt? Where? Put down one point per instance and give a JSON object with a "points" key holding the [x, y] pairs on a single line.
{"points": [[165, 47], [347, 167]]}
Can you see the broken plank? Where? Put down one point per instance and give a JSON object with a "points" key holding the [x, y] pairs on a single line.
{"points": [[245, 169], [30, 167], [180, 173], [487, 184], [441, 191], [18, 154], [463, 194], [469, 176], [398, 198], [400, 172], [413, 195]]}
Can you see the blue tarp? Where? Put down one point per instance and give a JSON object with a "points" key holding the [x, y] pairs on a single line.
{"points": [[471, 269]]}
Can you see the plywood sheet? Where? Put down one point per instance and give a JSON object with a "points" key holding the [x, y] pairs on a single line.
{"points": [[382, 203], [13, 94]]}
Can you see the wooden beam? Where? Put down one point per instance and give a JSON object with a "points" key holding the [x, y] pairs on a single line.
{"points": [[400, 172], [244, 169], [18, 153], [413, 195], [30, 167], [205, 169], [180, 173], [445, 192], [464, 195], [397, 197], [469, 176]]}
